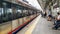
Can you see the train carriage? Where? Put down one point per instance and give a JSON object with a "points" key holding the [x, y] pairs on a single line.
{"points": [[13, 17]]}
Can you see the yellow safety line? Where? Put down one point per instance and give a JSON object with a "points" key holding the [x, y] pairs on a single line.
{"points": [[30, 30]]}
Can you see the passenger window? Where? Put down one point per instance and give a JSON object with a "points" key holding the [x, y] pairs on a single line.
{"points": [[25, 13], [1, 11], [30, 12], [0, 15], [7, 12], [19, 13]]}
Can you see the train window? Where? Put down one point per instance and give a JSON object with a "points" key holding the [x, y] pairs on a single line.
{"points": [[34, 12], [1, 11], [19, 13], [7, 12], [30, 12], [25, 12], [3, 17]]}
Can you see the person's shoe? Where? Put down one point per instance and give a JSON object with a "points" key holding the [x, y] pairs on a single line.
{"points": [[54, 28]]}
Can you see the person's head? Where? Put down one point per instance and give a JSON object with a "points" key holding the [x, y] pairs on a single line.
{"points": [[58, 13]]}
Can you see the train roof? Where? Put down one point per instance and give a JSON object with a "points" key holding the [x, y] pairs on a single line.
{"points": [[24, 4]]}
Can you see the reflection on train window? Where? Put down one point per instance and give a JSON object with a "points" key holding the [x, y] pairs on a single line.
{"points": [[19, 13], [7, 11], [30, 12], [25, 12], [9, 14], [34, 12], [1, 11]]}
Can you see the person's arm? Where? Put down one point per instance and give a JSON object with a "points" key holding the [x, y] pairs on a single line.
{"points": [[58, 18]]}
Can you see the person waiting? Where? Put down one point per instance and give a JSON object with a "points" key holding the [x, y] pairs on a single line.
{"points": [[57, 24]]}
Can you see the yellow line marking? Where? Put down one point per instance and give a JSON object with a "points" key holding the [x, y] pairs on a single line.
{"points": [[30, 30]]}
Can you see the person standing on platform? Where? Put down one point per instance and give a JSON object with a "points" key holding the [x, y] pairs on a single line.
{"points": [[45, 14]]}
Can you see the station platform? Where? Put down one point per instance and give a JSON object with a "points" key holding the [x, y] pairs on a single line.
{"points": [[39, 25]]}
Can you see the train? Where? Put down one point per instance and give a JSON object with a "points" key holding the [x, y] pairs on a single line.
{"points": [[13, 16]]}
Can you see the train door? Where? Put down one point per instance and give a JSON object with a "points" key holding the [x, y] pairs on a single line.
{"points": [[15, 19], [31, 14], [38, 12], [35, 13], [17, 16], [25, 15], [28, 17], [5, 25]]}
